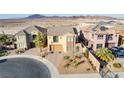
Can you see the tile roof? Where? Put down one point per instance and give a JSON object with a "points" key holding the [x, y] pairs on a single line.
{"points": [[60, 30], [32, 28], [103, 28]]}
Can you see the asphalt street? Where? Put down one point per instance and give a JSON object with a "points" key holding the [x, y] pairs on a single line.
{"points": [[23, 68]]}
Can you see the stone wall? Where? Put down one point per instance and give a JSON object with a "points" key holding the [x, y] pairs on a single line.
{"points": [[92, 59], [95, 62]]}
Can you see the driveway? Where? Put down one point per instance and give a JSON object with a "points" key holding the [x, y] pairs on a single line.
{"points": [[32, 51], [55, 58], [120, 60]]}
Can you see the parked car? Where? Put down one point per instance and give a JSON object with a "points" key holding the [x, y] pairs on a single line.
{"points": [[118, 51], [114, 50]]}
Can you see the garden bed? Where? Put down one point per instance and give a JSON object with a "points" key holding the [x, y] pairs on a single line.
{"points": [[75, 65]]}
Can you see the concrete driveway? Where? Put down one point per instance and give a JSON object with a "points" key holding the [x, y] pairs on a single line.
{"points": [[120, 60], [55, 58]]}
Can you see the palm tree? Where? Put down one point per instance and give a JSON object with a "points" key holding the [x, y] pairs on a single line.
{"points": [[104, 54]]}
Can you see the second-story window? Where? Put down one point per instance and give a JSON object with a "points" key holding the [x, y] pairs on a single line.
{"points": [[110, 37], [92, 35], [55, 39], [100, 37], [99, 46]]}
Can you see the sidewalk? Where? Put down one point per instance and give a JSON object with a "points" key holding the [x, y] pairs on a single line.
{"points": [[92, 75]]}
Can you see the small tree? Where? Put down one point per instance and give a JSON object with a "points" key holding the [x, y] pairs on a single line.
{"points": [[4, 40], [104, 54], [85, 52], [40, 41]]}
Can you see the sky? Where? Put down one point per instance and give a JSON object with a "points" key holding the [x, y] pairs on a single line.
{"points": [[9, 16]]}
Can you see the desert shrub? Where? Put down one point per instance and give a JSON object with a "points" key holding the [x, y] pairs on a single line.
{"points": [[66, 57], [117, 65], [66, 65], [52, 52], [43, 55], [78, 63], [60, 52], [90, 62], [3, 53], [88, 69], [78, 56]]}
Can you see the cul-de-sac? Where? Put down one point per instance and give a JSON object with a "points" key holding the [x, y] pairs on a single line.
{"points": [[42, 46]]}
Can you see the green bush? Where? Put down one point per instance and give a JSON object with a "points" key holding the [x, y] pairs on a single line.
{"points": [[66, 57], [3, 53], [70, 60], [117, 65], [78, 56]]}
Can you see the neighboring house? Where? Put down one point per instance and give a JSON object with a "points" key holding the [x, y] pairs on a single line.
{"points": [[120, 30], [62, 39], [25, 38], [99, 36], [121, 37]]}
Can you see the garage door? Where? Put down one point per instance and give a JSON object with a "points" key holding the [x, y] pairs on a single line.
{"points": [[56, 48]]}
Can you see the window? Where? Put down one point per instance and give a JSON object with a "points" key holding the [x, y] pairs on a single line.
{"points": [[77, 49], [49, 37], [34, 37], [71, 39], [55, 39], [68, 39], [100, 37], [92, 35], [99, 46], [60, 37], [110, 37], [67, 48], [74, 39]]}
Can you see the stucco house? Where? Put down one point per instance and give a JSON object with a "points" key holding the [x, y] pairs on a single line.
{"points": [[62, 39], [121, 37], [25, 38], [99, 36], [120, 30]]}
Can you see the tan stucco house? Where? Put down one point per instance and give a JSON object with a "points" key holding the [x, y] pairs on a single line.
{"points": [[25, 38], [121, 38], [100, 36], [62, 39]]}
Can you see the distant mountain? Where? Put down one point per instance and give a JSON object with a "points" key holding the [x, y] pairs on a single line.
{"points": [[35, 16]]}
